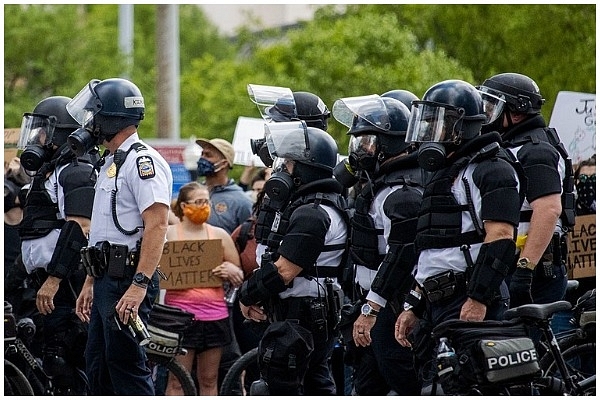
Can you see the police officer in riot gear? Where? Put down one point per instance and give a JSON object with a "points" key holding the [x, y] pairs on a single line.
{"points": [[56, 219], [132, 199], [297, 279], [383, 228], [513, 105], [280, 104], [466, 228]]}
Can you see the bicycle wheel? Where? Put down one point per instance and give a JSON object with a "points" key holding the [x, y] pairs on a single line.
{"points": [[15, 382], [175, 368], [580, 357], [245, 367]]}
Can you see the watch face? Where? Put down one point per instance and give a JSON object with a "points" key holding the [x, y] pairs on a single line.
{"points": [[366, 309]]}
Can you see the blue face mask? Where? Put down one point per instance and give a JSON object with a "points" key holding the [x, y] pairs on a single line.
{"points": [[205, 167]]}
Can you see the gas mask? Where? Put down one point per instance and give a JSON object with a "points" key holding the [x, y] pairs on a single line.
{"points": [[431, 156], [36, 140], [280, 187], [82, 140], [344, 174]]}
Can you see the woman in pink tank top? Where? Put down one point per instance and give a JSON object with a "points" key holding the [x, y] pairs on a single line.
{"points": [[210, 330]]}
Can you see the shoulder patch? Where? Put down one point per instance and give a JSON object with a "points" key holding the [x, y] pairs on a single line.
{"points": [[145, 167]]}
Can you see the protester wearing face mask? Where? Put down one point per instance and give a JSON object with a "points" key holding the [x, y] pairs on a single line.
{"points": [[210, 331], [585, 183], [230, 207]]}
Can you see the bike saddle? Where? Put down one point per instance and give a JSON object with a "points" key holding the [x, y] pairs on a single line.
{"points": [[538, 311]]}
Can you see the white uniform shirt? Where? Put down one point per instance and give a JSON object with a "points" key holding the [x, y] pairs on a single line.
{"points": [[144, 179]]}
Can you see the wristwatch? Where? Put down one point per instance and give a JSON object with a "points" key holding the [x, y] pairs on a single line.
{"points": [[525, 263], [141, 280], [368, 311]]}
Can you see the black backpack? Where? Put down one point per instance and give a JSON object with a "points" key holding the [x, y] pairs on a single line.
{"points": [[283, 355]]}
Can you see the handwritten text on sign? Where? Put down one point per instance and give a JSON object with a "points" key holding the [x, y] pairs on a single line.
{"points": [[582, 247], [189, 263]]}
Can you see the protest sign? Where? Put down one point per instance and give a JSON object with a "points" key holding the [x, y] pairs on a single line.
{"points": [[574, 117], [582, 248], [188, 263]]}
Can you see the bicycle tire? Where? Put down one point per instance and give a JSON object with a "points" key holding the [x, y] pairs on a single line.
{"points": [[579, 356], [15, 381], [233, 378], [182, 375]]}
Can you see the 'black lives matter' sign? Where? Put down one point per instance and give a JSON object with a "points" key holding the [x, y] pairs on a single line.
{"points": [[582, 247], [189, 263]]}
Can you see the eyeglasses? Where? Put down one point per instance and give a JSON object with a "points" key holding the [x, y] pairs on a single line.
{"points": [[198, 202]]}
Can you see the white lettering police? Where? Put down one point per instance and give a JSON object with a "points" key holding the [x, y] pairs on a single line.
{"points": [[159, 348], [134, 102], [511, 360]]}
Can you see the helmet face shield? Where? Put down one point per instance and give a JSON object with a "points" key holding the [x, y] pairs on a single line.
{"points": [[275, 103], [36, 129], [433, 122], [493, 104], [85, 105], [288, 140], [362, 114], [364, 145]]}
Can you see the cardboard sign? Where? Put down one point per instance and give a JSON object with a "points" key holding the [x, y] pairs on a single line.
{"points": [[582, 248], [188, 263]]}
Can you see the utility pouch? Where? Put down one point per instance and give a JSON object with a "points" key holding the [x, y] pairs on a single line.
{"points": [[117, 261], [443, 286], [318, 316], [94, 258]]}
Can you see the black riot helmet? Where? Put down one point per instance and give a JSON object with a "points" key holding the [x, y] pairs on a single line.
{"points": [[301, 155], [450, 113], [512, 92], [279, 104], [45, 130], [378, 128], [103, 108], [404, 96]]}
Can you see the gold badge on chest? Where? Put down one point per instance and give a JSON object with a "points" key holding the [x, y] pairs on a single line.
{"points": [[112, 170]]}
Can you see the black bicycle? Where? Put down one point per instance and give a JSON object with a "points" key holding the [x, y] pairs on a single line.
{"points": [[499, 357], [24, 373], [242, 373]]}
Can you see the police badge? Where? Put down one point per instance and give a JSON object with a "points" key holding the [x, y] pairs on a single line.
{"points": [[145, 167]]}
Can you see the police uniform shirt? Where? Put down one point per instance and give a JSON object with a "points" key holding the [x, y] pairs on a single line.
{"points": [[292, 246], [37, 253], [545, 171], [144, 179], [364, 275], [496, 175]]}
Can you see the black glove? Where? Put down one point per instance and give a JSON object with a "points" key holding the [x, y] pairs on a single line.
{"points": [[520, 287]]}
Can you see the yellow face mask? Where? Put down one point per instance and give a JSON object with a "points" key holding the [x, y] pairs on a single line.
{"points": [[197, 214]]}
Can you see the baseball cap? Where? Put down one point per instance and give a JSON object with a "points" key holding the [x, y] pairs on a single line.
{"points": [[222, 145]]}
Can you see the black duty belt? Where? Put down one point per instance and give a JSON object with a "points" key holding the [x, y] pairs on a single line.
{"points": [[114, 259]]}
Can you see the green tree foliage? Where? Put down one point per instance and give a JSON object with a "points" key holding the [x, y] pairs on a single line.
{"points": [[332, 57], [56, 49], [552, 43]]}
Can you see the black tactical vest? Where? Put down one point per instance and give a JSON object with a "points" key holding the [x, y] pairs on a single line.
{"points": [[440, 218]]}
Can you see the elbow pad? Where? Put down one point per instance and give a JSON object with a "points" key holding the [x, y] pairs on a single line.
{"points": [[67, 253], [394, 273], [264, 283], [491, 267]]}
